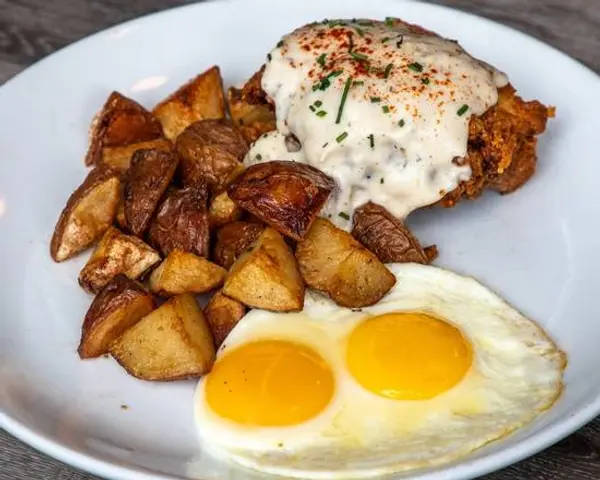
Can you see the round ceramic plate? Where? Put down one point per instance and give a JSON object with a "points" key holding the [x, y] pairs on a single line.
{"points": [[536, 247]]}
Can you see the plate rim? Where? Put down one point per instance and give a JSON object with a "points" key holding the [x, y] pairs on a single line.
{"points": [[543, 439]]}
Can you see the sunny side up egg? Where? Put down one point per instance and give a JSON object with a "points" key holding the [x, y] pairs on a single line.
{"points": [[438, 368]]}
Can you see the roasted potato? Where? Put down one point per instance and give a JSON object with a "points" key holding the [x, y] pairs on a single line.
{"points": [[387, 236], [211, 151], [171, 343], [120, 123], [267, 276], [120, 157], [233, 239], [201, 98], [252, 119], [181, 222], [183, 272], [115, 254], [90, 210], [121, 304], [222, 210], [147, 180], [222, 314], [285, 195], [333, 262]]}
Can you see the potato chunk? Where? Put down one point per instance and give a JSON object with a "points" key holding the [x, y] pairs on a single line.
{"points": [[252, 119], [222, 210], [119, 158], [285, 195], [201, 98], [233, 239], [115, 254], [387, 236], [267, 276], [150, 174], [334, 263], [90, 210], [211, 151], [181, 222], [120, 123], [183, 272], [222, 314], [171, 343], [121, 304]]}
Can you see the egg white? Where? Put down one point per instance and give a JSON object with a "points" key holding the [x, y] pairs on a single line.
{"points": [[516, 373]]}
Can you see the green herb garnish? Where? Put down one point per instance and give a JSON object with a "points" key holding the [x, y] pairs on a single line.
{"points": [[399, 42], [341, 137], [312, 108], [388, 69], [375, 99], [269, 57], [385, 109], [321, 59], [280, 44], [372, 141], [382, 180], [401, 122], [325, 82], [360, 31], [356, 83], [361, 57], [416, 67], [321, 113], [425, 80], [385, 39], [343, 100], [462, 110], [389, 21], [344, 215], [259, 157], [318, 103]]}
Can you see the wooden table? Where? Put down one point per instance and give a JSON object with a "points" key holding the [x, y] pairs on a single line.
{"points": [[32, 29]]}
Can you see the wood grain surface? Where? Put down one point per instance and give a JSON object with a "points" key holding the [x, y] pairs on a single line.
{"points": [[32, 29]]}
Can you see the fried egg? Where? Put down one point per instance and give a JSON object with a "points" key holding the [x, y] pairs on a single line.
{"points": [[438, 368]]}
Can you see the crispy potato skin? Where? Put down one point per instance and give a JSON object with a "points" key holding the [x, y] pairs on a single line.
{"points": [[211, 151], [181, 222], [285, 195], [119, 158], [222, 314], [185, 272], [387, 236], [122, 121], [252, 119], [201, 98], [173, 342], [90, 210], [117, 253], [333, 262], [233, 239], [150, 174], [222, 210], [267, 276], [121, 304]]}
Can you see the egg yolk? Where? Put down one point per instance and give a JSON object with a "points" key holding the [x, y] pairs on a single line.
{"points": [[269, 383], [407, 355]]}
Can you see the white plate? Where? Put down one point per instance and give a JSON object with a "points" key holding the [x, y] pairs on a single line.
{"points": [[536, 247]]}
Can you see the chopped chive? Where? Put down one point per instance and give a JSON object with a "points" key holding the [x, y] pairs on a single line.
{"points": [[425, 80], [321, 59], [360, 31], [336, 73], [269, 57], [258, 156], [336, 23], [365, 23], [399, 42], [325, 82], [385, 109], [321, 113], [356, 83], [401, 122], [462, 110], [325, 144], [359, 56], [385, 39], [318, 103], [375, 99], [350, 42], [341, 137], [312, 108], [387, 71], [382, 180], [343, 100], [280, 44], [372, 141], [416, 67], [344, 215]]}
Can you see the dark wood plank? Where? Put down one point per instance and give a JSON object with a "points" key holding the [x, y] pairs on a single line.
{"points": [[32, 29]]}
